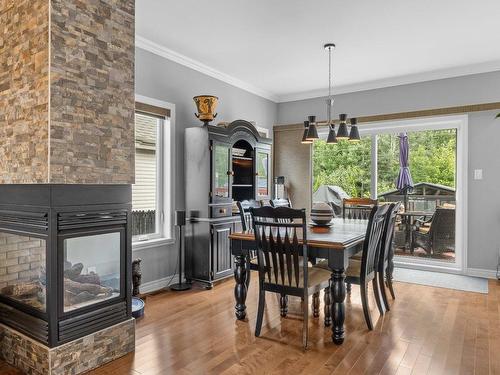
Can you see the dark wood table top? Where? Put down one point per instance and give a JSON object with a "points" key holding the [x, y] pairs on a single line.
{"points": [[342, 234]]}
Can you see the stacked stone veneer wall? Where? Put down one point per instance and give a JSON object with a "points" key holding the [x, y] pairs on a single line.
{"points": [[75, 357], [24, 90], [67, 91], [22, 260]]}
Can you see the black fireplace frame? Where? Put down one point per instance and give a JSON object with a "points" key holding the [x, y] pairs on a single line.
{"points": [[54, 212]]}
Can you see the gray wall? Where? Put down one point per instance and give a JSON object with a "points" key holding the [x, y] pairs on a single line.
{"points": [[162, 79], [473, 89], [484, 133]]}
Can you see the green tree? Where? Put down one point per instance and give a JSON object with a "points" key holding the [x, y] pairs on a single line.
{"points": [[432, 159]]}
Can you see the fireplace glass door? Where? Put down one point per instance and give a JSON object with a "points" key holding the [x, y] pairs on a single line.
{"points": [[91, 269], [22, 269]]}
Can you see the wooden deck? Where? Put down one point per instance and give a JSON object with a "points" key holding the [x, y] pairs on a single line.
{"points": [[428, 331]]}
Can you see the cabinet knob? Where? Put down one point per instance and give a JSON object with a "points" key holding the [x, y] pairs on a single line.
{"points": [[256, 173], [230, 173]]}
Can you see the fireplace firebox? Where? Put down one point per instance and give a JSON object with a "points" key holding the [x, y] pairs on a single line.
{"points": [[65, 259]]}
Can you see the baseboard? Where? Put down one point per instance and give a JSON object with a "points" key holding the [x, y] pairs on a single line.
{"points": [[480, 272], [155, 285]]}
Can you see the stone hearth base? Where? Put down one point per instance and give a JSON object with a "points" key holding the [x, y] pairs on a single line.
{"points": [[74, 357]]}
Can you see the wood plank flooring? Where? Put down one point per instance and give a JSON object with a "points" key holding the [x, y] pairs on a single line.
{"points": [[428, 331]]}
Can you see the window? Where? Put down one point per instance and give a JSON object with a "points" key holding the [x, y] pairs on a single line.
{"points": [[151, 198], [431, 224]]}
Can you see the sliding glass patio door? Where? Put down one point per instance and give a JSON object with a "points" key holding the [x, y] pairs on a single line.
{"points": [[430, 231]]}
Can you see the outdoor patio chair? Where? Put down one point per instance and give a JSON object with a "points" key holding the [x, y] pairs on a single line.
{"points": [[439, 233]]}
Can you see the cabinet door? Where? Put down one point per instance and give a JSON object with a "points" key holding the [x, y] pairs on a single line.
{"points": [[221, 172], [221, 250], [263, 173]]}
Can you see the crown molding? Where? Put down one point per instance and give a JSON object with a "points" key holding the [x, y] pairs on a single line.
{"points": [[157, 49], [460, 71]]}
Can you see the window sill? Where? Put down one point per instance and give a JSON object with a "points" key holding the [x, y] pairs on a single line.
{"points": [[142, 245]]}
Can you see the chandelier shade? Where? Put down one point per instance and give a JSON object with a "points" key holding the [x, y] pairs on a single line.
{"points": [[304, 140], [332, 138], [354, 134], [342, 133], [312, 131]]}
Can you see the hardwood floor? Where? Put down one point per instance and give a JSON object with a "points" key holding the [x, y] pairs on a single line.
{"points": [[428, 331]]}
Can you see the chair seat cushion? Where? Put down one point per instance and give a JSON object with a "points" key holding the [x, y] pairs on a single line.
{"points": [[316, 277], [354, 269], [322, 264], [424, 230], [358, 255]]}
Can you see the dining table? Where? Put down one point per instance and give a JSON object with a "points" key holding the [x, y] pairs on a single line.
{"points": [[337, 243]]}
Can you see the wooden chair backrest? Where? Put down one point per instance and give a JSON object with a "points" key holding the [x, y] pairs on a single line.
{"points": [[357, 208], [280, 203], [278, 247], [387, 245], [244, 211], [373, 239]]}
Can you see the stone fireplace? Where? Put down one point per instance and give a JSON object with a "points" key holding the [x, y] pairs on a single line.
{"points": [[66, 169], [65, 259]]}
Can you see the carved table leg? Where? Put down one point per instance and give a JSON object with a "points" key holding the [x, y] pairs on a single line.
{"points": [[328, 307], [240, 289], [338, 306], [315, 304]]}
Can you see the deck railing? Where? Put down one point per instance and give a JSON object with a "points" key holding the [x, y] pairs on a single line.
{"points": [[143, 222]]}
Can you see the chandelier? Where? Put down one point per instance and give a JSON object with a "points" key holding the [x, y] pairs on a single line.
{"points": [[343, 133]]}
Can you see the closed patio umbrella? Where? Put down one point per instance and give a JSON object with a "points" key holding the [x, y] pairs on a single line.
{"points": [[404, 183]]}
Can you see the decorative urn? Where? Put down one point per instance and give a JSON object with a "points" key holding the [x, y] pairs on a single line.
{"points": [[321, 213], [206, 105]]}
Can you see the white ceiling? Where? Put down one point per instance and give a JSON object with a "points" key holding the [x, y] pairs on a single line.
{"points": [[275, 47]]}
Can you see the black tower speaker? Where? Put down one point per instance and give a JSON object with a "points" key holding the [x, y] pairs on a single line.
{"points": [[180, 221]]}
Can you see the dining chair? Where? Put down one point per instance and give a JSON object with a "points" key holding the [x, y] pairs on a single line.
{"points": [[357, 208], [246, 224], [362, 271], [280, 248], [244, 212], [385, 265]]}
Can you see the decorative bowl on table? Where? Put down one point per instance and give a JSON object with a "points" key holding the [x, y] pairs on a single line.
{"points": [[321, 214]]}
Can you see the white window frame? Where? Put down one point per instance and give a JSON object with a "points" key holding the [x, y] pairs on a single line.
{"points": [[164, 179], [459, 122]]}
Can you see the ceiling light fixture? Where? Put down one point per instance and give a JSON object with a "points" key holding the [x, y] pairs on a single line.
{"points": [[311, 134]]}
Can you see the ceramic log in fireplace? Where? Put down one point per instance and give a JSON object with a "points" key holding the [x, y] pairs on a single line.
{"points": [[65, 258]]}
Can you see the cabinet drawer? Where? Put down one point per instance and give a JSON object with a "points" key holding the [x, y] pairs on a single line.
{"points": [[221, 211]]}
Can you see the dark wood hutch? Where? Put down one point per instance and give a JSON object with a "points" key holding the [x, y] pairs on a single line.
{"points": [[223, 165]]}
